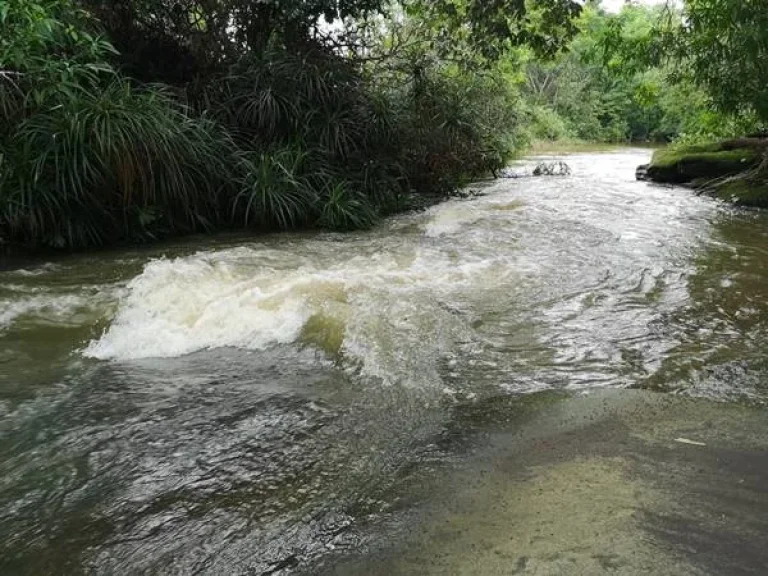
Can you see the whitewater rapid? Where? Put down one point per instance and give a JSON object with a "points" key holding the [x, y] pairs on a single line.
{"points": [[591, 274], [395, 302]]}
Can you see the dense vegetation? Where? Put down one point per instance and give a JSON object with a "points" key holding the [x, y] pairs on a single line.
{"points": [[126, 121], [720, 47], [631, 77], [130, 120]]}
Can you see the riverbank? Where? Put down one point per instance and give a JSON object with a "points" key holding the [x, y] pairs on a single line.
{"points": [[620, 481], [731, 170]]}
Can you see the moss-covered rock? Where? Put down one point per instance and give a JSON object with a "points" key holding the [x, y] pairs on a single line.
{"points": [[732, 170], [694, 163]]}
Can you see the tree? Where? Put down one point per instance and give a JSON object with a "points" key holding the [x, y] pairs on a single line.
{"points": [[718, 45], [725, 43], [177, 41], [492, 27]]}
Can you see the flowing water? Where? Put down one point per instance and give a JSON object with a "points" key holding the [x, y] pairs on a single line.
{"points": [[242, 406]]}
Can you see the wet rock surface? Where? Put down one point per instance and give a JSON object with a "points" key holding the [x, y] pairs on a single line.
{"points": [[598, 484]]}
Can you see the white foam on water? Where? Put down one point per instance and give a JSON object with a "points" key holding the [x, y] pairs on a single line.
{"points": [[179, 306], [52, 307], [450, 218], [388, 305], [46, 268], [40, 306]]}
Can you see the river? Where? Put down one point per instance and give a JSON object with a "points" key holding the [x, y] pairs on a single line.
{"points": [[229, 405]]}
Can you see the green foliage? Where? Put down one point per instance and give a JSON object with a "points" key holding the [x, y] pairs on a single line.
{"points": [[183, 41], [545, 124], [314, 132], [492, 27], [595, 101], [725, 44], [46, 53], [93, 168], [33, 30], [711, 54], [456, 127], [614, 85], [237, 113], [343, 209], [88, 159], [272, 190]]}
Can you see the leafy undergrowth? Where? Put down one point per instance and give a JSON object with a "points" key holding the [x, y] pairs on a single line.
{"points": [[276, 136]]}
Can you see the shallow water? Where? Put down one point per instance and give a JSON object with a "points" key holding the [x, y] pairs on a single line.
{"points": [[230, 405]]}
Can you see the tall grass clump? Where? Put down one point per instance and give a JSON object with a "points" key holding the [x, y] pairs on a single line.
{"points": [[87, 158], [320, 145], [110, 165]]}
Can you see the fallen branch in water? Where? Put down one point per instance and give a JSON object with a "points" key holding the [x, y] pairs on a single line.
{"points": [[542, 169], [689, 442], [552, 169]]}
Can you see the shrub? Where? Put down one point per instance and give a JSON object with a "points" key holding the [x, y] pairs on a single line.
{"points": [[284, 136]]}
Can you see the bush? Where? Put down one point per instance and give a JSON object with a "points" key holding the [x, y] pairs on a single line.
{"points": [[108, 165], [286, 136], [452, 125], [87, 158], [546, 124]]}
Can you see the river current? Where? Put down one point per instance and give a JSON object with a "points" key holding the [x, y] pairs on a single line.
{"points": [[233, 405]]}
